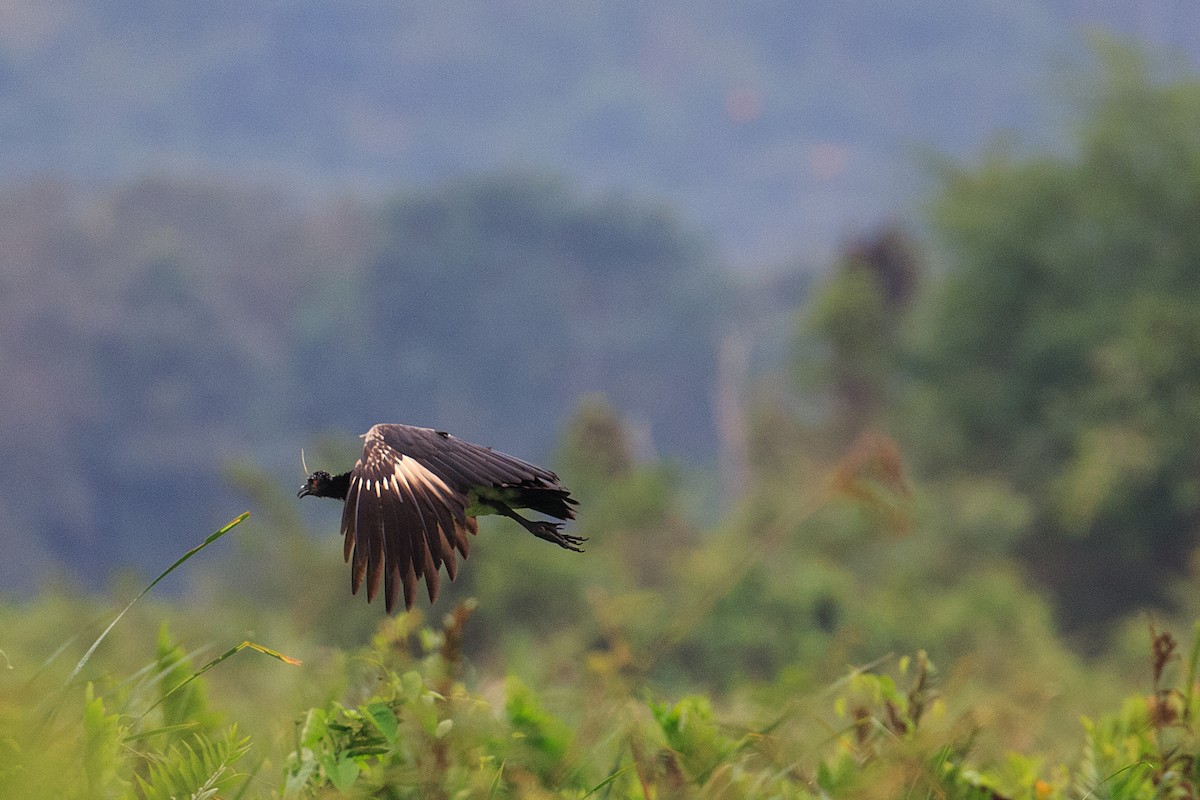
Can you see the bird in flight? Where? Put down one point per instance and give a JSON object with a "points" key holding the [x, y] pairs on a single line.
{"points": [[413, 497]]}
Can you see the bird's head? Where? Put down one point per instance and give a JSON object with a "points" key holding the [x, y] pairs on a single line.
{"points": [[319, 484]]}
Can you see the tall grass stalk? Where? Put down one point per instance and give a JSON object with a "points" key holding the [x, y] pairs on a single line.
{"points": [[178, 563]]}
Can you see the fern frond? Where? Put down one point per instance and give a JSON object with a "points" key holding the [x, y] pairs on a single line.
{"points": [[197, 769]]}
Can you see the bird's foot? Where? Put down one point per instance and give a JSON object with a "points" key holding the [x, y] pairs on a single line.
{"points": [[552, 532]]}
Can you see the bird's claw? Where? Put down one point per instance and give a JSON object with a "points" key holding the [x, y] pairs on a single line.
{"points": [[570, 542], [551, 532]]}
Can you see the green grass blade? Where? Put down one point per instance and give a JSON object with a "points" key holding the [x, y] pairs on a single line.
{"points": [[605, 782], [250, 778], [496, 780], [1125, 768], [1189, 681], [247, 645], [135, 737], [179, 562]]}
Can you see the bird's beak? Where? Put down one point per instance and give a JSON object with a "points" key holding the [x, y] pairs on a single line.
{"points": [[304, 491]]}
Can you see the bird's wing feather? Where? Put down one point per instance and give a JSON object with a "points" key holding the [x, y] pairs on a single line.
{"points": [[402, 521], [372, 502], [362, 527], [413, 491], [462, 464], [401, 547]]}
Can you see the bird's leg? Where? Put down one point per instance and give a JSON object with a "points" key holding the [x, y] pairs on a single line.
{"points": [[549, 531]]}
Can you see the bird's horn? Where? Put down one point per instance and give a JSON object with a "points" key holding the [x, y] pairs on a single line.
{"points": [[303, 463]]}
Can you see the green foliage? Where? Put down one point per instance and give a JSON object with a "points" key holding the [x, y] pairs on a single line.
{"points": [[853, 321], [694, 735], [83, 742], [181, 700], [849, 313], [198, 769], [1060, 352], [102, 739], [419, 733], [89, 741], [414, 719], [547, 737], [597, 446]]}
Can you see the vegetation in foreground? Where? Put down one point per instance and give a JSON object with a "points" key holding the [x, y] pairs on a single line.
{"points": [[411, 717], [673, 663]]}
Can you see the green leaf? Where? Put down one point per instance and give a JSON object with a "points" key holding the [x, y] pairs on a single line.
{"points": [[342, 773], [314, 728], [384, 718], [298, 778], [102, 746], [413, 684]]}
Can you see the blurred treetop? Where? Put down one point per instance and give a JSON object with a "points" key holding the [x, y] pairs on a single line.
{"points": [[1062, 350]]}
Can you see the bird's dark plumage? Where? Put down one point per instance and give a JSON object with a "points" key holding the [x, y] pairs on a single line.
{"points": [[412, 499]]}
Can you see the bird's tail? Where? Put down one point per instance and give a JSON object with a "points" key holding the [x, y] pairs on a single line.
{"points": [[551, 501]]}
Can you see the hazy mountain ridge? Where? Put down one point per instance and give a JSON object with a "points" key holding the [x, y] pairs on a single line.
{"points": [[769, 122]]}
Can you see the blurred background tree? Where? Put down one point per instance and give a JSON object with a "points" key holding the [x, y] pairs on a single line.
{"points": [[856, 319], [1060, 354], [490, 304]]}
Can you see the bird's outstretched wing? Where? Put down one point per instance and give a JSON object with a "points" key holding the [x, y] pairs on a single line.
{"points": [[406, 508], [461, 464]]}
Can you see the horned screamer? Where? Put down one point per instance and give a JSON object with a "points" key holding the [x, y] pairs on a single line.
{"points": [[413, 497]]}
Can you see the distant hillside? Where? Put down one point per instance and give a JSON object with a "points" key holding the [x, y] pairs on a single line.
{"points": [[783, 127], [158, 333]]}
